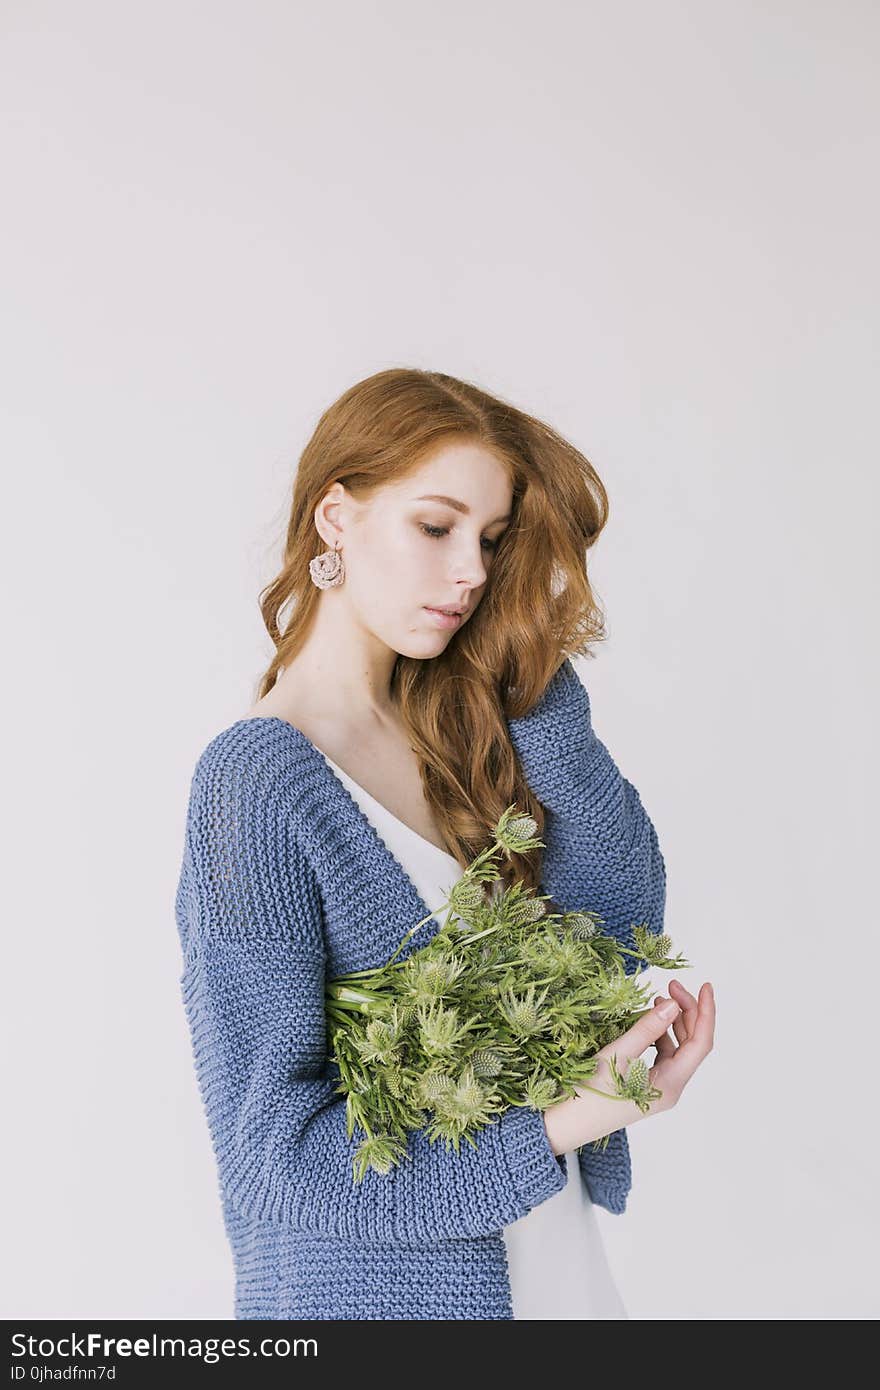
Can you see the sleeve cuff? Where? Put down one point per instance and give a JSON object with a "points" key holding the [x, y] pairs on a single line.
{"points": [[537, 1172]]}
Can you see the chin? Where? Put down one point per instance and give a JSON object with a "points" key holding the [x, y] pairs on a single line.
{"points": [[420, 644], [423, 648]]}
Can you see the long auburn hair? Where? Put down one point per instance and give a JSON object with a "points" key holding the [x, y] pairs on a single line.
{"points": [[537, 607]]}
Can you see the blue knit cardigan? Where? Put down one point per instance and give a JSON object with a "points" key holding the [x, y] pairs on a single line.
{"points": [[286, 883]]}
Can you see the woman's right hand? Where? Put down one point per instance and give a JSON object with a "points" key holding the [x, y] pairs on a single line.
{"points": [[588, 1116]]}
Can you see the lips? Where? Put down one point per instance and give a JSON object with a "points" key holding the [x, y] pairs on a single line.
{"points": [[447, 620]]}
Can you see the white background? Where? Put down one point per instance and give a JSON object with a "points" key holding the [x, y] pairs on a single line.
{"points": [[656, 227]]}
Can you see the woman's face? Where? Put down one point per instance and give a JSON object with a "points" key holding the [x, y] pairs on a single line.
{"points": [[406, 552]]}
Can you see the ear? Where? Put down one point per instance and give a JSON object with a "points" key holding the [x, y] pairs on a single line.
{"points": [[328, 515]]}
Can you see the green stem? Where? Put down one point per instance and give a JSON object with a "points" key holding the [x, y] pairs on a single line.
{"points": [[486, 854], [596, 1092], [342, 1010], [349, 994], [466, 940], [410, 933], [627, 952]]}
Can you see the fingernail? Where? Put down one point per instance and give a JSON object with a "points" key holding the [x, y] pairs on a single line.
{"points": [[668, 1009]]}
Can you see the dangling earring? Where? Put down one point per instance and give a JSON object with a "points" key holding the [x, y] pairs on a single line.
{"points": [[327, 569]]}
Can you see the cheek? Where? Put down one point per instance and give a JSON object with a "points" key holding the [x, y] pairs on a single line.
{"points": [[414, 553], [400, 565]]}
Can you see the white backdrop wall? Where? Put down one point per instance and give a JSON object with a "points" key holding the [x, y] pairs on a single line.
{"points": [[656, 227]]}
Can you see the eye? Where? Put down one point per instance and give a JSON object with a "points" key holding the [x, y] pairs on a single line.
{"points": [[438, 531]]}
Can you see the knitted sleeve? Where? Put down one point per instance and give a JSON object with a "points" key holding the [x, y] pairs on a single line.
{"points": [[602, 854], [249, 913], [602, 846]]}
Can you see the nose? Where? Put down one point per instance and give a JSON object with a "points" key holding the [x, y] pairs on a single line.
{"points": [[470, 567]]}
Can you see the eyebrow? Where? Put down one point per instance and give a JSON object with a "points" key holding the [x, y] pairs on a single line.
{"points": [[459, 506]]}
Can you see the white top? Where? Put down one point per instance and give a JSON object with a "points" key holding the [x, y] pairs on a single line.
{"points": [[555, 1256]]}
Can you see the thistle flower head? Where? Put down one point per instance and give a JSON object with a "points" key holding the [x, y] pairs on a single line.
{"points": [[541, 1090], [517, 906], [466, 1106], [636, 1076], [615, 993], [379, 1042], [636, 1085], [520, 828], [487, 1061], [408, 1009], [466, 1101], [433, 1086], [394, 1080], [655, 948], [536, 957], [568, 957], [466, 898], [522, 1012], [525, 911], [378, 1151], [441, 1030], [515, 832], [582, 925], [431, 976]]}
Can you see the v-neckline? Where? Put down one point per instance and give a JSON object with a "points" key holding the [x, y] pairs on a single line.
{"points": [[426, 913], [336, 770]]}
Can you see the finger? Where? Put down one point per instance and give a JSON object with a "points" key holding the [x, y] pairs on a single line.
{"points": [[690, 1008], [682, 994], [686, 1022], [691, 1052], [665, 1046], [677, 1024], [663, 1043], [646, 1030]]}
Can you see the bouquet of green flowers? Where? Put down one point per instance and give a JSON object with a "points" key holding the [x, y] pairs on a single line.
{"points": [[507, 1004]]}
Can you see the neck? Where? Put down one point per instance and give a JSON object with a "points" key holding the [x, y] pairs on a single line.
{"points": [[342, 673]]}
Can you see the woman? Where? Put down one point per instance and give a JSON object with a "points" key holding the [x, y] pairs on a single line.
{"points": [[435, 568]]}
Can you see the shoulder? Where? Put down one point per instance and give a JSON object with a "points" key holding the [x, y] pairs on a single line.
{"points": [[252, 766], [248, 861], [253, 795]]}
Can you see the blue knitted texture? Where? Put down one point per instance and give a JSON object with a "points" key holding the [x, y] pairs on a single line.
{"points": [[285, 884]]}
